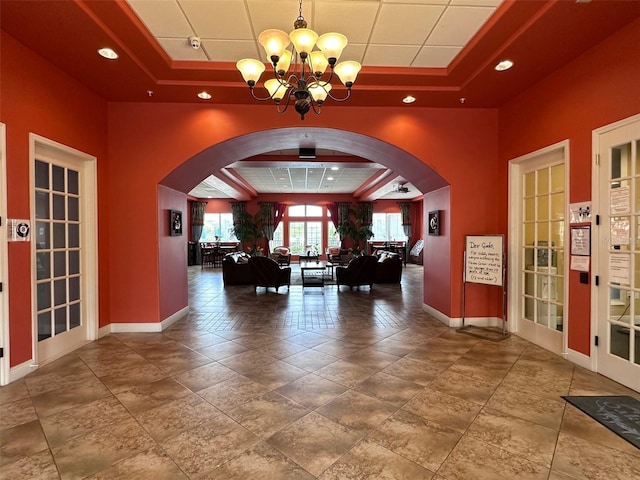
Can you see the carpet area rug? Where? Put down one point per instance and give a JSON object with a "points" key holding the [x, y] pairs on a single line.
{"points": [[620, 414]]}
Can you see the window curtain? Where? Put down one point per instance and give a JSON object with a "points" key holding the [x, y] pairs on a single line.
{"points": [[343, 215], [366, 213], [238, 210], [333, 212], [197, 224], [405, 211], [272, 213], [197, 219]]}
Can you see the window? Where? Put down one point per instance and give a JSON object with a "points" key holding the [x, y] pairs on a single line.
{"points": [[333, 239], [387, 226], [278, 237], [305, 236], [218, 225], [305, 211]]}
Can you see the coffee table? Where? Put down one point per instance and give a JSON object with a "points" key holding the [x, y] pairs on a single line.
{"points": [[313, 273]]}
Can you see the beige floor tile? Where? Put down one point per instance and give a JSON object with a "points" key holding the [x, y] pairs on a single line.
{"points": [[262, 461], [371, 461], [311, 390], [81, 420], [208, 445], [152, 464], [338, 348], [357, 411], [283, 349], [205, 376], [16, 413], [275, 374], [372, 358], [174, 417], [247, 361], [527, 406], [223, 350], [520, 437], [232, 392], [388, 388], [473, 459], [91, 453], [151, 395], [345, 373], [21, 441], [465, 387], [584, 459], [425, 443], [310, 360], [420, 372], [39, 466], [314, 442], [267, 414], [443, 409], [14, 391], [137, 375]]}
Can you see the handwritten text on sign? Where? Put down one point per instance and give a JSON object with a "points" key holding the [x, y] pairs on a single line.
{"points": [[484, 260]]}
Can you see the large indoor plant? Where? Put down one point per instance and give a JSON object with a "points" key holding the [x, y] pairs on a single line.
{"points": [[356, 231], [248, 230]]}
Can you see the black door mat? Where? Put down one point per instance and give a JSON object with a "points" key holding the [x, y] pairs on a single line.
{"points": [[620, 414]]}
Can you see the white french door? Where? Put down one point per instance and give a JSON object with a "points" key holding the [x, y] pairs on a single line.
{"points": [[65, 254], [617, 243], [4, 316], [537, 268]]}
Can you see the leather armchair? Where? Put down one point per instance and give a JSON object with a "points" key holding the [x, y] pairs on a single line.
{"points": [[267, 273], [360, 271], [282, 255]]}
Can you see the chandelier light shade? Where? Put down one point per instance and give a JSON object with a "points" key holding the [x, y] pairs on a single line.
{"points": [[298, 71]]}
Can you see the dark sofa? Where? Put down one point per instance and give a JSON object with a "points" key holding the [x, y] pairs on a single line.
{"points": [[388, 268], [236, 270]]}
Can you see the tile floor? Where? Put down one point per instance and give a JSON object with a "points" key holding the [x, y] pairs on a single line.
{"points": [[303, 385]]}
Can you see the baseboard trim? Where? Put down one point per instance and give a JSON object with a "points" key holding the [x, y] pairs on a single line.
{"points": [[22, 370], [457, 322], [104, 331], [144, 327], [579, 359]]}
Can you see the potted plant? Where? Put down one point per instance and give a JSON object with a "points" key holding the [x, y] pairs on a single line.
{"points": [[249, 230], [353, 228]]}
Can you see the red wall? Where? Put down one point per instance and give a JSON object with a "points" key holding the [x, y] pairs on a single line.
{"points": [[173, 252], [599, 88], [150, 140], [38, 98]]}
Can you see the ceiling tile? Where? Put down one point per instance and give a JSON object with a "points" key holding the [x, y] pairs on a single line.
{"points": [[458, 25], [435, 56], [179, 49], [278, 14], [162, 18], [229, 50], [212, 19], [405, 24], [353, 19], [391, 55]]}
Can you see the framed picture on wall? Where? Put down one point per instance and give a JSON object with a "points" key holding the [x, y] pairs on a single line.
{"points": [[433, 225], [175, 222]]}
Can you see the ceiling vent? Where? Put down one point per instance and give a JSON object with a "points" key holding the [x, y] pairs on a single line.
{"points": [[307, 152]]}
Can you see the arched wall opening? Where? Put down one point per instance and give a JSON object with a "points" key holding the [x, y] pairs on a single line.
{"points": [[157, 152]]}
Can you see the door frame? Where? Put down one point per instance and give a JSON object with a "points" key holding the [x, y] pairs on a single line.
{"points": [[515, 239], [597, 204], [41, 146], [5, 363]]}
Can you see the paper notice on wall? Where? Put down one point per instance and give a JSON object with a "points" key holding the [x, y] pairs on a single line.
{"points": [[580, 212], [580, 264], [620, 200], [620, 231], [619, 268]]}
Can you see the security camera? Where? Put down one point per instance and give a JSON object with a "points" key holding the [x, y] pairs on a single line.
{"points": [[194, 42]]}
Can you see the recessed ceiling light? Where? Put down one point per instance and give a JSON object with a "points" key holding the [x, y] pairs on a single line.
{"points": [[329, 178], [504, 65], [335, 168], [409, 99], [108, 53], [204, 95]]}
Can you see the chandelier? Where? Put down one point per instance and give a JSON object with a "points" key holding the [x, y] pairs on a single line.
{"points": [[299, 71]]}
